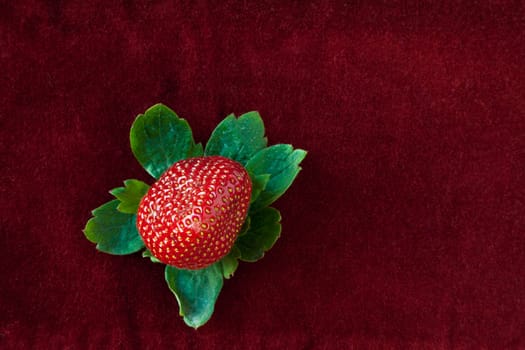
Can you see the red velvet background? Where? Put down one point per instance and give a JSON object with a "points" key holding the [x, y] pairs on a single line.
{"points": [[404, 230]]}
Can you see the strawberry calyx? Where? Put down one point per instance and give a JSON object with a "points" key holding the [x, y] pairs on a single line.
{"points": [[208, 209]]}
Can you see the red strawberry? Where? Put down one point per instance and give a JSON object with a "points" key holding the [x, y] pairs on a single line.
{"points": [[191, 216]]}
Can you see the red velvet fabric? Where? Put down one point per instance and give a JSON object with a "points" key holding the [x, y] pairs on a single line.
{"points": [[404, 230]]}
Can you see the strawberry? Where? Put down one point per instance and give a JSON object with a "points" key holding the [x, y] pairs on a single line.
{"points": [[191, 216]]}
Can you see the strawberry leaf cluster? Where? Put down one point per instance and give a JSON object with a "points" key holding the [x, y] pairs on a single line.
{"points": [[159, 138]]}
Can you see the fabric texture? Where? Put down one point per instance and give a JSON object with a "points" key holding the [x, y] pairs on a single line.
{"points": [[404, 230]]}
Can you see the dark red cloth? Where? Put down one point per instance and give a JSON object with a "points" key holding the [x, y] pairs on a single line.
{"points": [[404, 230]]}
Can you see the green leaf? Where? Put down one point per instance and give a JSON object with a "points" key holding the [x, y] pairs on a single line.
{"points": [[265, 229], [113, 231], [282, 163], [130, 195], [196, 151], [237, 139], [259, 183], [245, 226], [196, 292], [147, 254], [160, 138], [230, 262]]}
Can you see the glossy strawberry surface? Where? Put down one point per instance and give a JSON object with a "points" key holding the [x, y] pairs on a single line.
{"points": [[192, 215]]}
